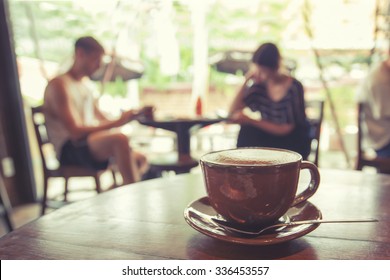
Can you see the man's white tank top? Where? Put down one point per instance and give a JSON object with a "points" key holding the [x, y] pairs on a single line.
{"points": [[81, 103]]}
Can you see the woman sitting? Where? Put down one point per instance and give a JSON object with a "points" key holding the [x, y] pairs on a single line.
{"points": [[270, 106]]}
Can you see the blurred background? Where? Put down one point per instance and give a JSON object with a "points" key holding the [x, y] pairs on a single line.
{"points": [[177, 48]]}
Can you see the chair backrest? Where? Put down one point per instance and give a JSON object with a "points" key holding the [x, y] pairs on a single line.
{"points": [[315, 115], [5, 205], [44, 144], [360, 120]]}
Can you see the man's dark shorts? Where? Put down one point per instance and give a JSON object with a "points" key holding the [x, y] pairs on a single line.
{"points": [[383, 152], [78, 153]]}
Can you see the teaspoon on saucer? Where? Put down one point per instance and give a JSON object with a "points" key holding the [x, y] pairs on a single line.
{"points": [[227, 225]]}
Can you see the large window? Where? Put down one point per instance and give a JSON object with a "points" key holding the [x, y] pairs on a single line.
{"points": [[175, 39]]}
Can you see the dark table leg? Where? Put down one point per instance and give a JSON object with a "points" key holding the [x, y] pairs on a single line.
{"points": [[183, 139]]}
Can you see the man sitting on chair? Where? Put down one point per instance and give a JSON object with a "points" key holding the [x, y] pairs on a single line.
{"points": [[79, 131], [374, 94]]}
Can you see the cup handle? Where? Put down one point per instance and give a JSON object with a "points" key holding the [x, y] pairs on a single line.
{"points": [[313, 185]]}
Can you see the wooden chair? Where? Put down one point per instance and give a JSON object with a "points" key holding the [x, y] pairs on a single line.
{"points": [[4, 206], [315, 115], [363, 158], [58, 171]]}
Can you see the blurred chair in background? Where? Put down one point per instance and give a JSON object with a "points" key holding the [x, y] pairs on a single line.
{"points": [[364, 158], [315, 116]]}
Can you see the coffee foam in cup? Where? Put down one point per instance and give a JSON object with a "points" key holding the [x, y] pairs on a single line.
{"points": [[251, 156]]}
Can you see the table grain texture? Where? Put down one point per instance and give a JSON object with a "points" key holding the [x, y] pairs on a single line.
{"points": [[145, 221]]}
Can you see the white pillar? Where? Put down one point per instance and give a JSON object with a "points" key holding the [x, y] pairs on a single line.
{"points": [[128, 47], [200, 50]]}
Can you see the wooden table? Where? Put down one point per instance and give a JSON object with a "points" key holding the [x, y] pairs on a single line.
{"points": [[145, 221]]}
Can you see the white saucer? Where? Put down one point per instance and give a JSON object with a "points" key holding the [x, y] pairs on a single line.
{"points": [[198, 215]]}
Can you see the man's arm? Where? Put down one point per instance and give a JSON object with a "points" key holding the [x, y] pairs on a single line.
{"points": [[61, 107], [99, 114]]}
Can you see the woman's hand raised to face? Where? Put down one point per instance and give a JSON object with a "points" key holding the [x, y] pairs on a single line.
{"points": [[257, 74], [251, 74]]}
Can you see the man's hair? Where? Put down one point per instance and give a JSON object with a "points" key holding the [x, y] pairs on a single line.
{"points": [[267, 55], [89, 44]]}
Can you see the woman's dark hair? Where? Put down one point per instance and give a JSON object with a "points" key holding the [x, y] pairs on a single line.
{"points": [[89, 44], [267, 55]]}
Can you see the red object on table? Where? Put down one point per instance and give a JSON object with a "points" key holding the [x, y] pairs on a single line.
{"points": [[198, 107]]}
